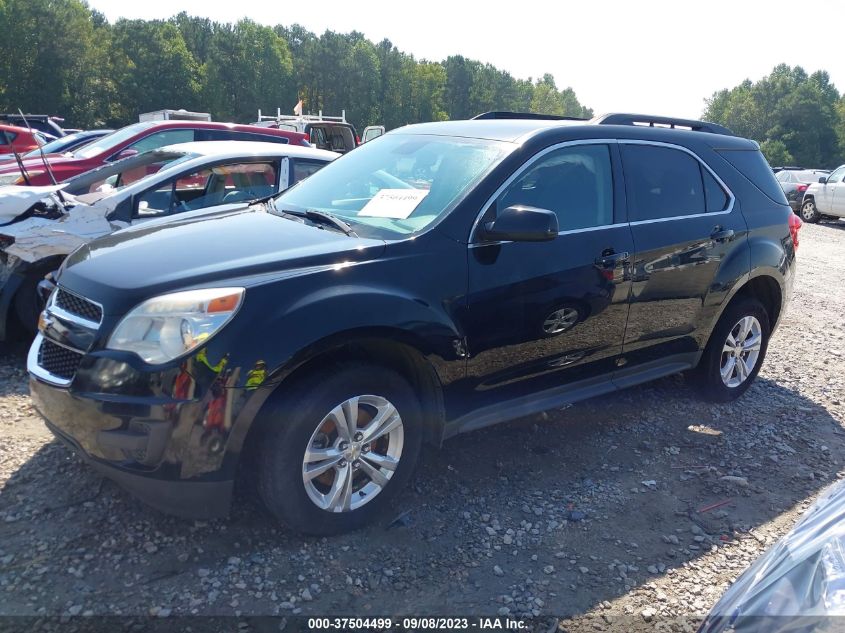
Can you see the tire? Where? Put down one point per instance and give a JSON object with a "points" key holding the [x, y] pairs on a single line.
{"points": [[809, 212], [318, 505], [709, 373]]}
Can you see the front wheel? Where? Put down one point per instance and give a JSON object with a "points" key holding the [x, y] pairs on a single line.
{"points": [[337, 451], [735, 351], [809, 212]]}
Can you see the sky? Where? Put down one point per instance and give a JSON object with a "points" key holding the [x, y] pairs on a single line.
{"points": [[649, 56]]}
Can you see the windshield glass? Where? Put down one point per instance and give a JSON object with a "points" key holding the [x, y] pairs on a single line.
{"points": [[115, 176], [56, 146], [397, 184], [108, 141]]}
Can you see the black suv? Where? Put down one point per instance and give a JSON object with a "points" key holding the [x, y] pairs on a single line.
{"points": [[442, 278]]}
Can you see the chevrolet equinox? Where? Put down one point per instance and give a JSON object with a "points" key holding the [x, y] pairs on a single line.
{"points": [[442, 278]]}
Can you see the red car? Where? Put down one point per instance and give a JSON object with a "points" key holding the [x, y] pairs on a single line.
{"points": [[137, 138], [19, 139]]}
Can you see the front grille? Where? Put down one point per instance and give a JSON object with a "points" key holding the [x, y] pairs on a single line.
{"points": [[77, 305], [58, 360]]}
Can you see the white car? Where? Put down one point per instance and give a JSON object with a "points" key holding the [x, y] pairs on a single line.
{"points": [[40, 226], [825, 197]]}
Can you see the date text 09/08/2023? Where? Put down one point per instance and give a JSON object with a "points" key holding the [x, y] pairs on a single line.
{"points": [[415, 624]]}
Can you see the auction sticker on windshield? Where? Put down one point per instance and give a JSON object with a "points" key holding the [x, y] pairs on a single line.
{"points": [[394, 203]]}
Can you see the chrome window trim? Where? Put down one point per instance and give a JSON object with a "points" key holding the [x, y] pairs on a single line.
{"points": [[69, 316], [596, 141], [39, 372], [560, 233], [522, 168], [731, 197]]}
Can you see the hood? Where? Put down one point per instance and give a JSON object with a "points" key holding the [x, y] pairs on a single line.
{"points": [[15, 199], [122, 269]]}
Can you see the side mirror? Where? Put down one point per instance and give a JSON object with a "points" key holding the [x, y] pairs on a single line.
{"points": [[523, 224], [823, 180]]}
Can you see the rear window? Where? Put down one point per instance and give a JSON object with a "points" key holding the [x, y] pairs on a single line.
{"points": [[751, 164]]}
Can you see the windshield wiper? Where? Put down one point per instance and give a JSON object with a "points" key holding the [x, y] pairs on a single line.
{"points": [[320, 217], [328, 218]]}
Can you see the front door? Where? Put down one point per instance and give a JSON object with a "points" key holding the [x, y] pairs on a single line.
{"points": [[685, 225], [826, 195], [544, 314]]}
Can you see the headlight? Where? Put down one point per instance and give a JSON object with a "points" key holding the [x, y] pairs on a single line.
{"points": [[166, 327]]}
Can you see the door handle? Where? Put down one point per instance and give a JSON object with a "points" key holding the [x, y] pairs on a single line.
{"points": [[720, 234], [609, 259]]}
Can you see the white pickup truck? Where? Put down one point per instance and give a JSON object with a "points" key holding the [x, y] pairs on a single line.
{"points": [[825, 197]]}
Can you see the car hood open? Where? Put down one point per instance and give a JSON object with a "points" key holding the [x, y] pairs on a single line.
{"points": [[124, 268]]}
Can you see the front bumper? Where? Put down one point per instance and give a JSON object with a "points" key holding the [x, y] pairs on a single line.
{"points": [[188, 499], [156, 447]]}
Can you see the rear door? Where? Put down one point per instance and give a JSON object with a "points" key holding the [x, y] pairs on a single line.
{"points": [[685, 224], [545, 314]]}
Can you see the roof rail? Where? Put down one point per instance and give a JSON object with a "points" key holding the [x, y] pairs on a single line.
{"points": [[649, 120], [496, 114]]}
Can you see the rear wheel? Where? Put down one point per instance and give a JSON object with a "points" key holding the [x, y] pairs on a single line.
{"points": [[809, 212], [735, 351], [336, 453]]}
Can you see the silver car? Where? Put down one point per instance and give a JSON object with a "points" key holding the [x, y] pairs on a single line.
{"points": [[40, 226], [825, 197]]}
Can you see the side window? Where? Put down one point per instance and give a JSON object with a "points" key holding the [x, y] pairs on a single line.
{"points": [[836, 176], [715, 197], [661, 182], [261, 138], [160, 139], [575, 182], [304, 168], [222, 184], [782, 176], [318, 138]]}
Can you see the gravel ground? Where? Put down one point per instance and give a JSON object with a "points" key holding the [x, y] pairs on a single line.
{"points": [[597, 514]]}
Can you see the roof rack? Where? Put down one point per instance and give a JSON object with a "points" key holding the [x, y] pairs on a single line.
{"points": [[649, 120], [496, 114], [301, 117]]}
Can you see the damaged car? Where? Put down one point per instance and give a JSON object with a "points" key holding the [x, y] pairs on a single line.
{"points": [[40, 226]]}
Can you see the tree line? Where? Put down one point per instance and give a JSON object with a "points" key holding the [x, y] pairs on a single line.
{"points": [[61, 57], [798, 119]]}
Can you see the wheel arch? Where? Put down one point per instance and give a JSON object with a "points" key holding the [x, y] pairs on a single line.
{"points": [[387, 347]]}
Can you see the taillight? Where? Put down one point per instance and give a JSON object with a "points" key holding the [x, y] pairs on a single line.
{"points": [[795, 225], [802, 188]]}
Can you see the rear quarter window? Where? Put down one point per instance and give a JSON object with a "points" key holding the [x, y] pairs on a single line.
{"points": [[751, 164]]}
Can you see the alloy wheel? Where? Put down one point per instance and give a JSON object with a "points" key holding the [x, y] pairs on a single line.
{"points": [[560, 320], [353, 453], [808, 211], [741, 351]]}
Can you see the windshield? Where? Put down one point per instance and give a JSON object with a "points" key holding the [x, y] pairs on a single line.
{"points": [[115, 176], [108, 141], [397, 184], [56, 146]]}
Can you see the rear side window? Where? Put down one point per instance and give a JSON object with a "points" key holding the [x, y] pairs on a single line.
{"points": [[304, 168], [661, 182], [8, 137], [715, 197], [751, 164]]}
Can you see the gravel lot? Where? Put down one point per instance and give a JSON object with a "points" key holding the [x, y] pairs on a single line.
{"points": [[591, 514]]}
